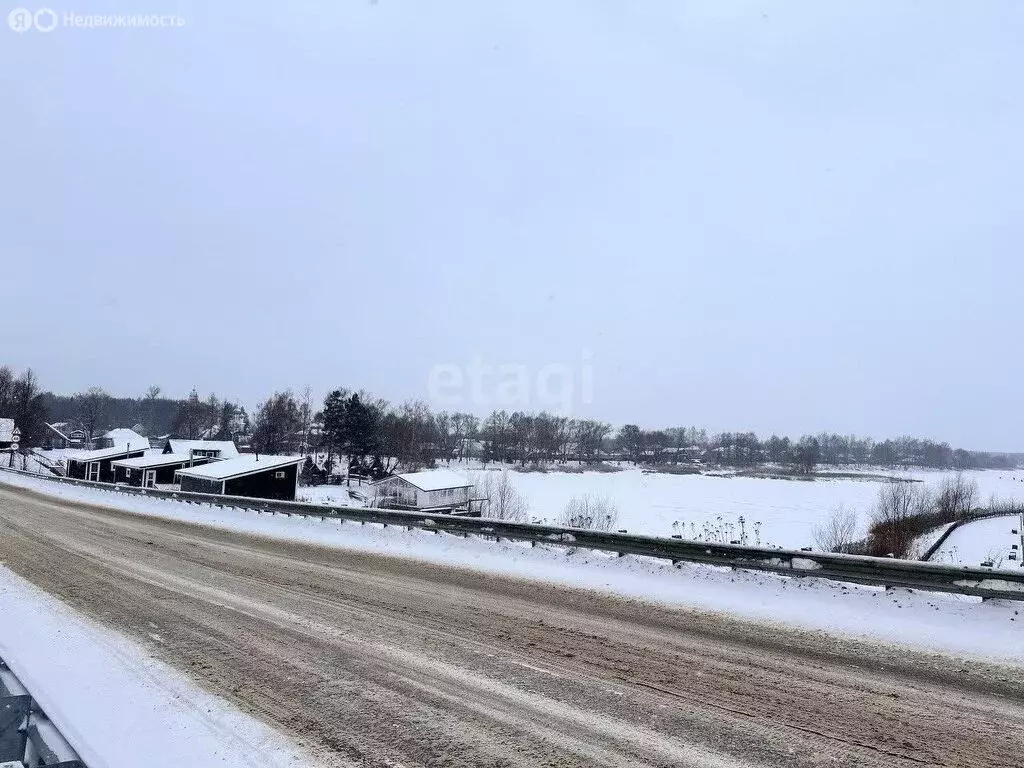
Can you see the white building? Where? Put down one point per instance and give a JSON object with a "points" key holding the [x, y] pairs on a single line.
{"points": [[433, 490]]}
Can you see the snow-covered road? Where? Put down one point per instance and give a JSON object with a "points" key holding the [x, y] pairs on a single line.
{"points": [[115, 701], [928, 621], [385, 660]]}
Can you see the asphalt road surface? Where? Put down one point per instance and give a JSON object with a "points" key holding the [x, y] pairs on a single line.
{"points": [[369, 660]]}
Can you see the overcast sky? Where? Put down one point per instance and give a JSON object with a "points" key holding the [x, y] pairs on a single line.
{"points": [[770, 216]]}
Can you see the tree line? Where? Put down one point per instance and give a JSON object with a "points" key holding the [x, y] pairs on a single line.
{"points": [[375, 436], [95, 411], [21, 400]]}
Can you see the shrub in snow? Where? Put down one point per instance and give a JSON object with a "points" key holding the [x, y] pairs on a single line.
{"points": [[504, 502], [1008, 505], [595, 512], [902, 512], [957, 497], [837, 533]]}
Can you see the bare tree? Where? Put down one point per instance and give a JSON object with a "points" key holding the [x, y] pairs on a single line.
{"points": [[446, 435], [896, 519], [6, 388], [21, 400], [211, 417], [190, 419], [92, 407], [306, 417], [277, 421], [504, 502], [152, 393], [1009, 505], [595, 512], [588, 436], [837, 533], [957, 497]]}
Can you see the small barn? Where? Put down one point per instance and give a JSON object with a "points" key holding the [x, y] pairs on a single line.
{"points": [[433, 490], [153, 469], [253, 475], [96, 465]]}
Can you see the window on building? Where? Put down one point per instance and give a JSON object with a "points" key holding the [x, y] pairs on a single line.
{"points": [[279, 475]]}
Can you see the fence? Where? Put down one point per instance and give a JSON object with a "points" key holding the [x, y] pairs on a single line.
{"points": [[27, 735], [857, 569]]}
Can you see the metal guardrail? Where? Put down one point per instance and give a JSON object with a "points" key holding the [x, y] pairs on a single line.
{"points": [[857, 569], [27, 736]]}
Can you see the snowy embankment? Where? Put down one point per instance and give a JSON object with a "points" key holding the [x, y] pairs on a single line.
{"points": [[935, 622], [117, 705], [990, 540]]}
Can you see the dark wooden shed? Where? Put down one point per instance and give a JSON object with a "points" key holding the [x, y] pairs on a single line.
{"points": [[253, 475], [151, 471], [96, 465]]}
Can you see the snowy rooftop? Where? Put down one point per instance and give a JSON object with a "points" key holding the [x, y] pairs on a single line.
{"points": [[435, 479], [105, 453], [124, 437], [242, 465], [227, 448], [153, 460]]}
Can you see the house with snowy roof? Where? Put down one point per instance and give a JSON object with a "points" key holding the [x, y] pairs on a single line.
{"points": [[95, 465], [153, 469], [207, 449], [61, 434], [255, 475], [115, 438], [434, 490]]}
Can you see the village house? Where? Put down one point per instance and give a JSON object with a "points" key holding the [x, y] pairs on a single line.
{"points": [[253, 475], [128, 438], [434, 490], [210, 449], [153, 470], [95, 465], [60, 434]]}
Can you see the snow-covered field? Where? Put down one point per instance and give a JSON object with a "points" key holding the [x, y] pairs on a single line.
{"points": [[787, 510], [988, 540], [942, 623], [117, 705], [775, 512]]}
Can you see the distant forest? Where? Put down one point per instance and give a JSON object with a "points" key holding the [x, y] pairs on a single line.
{"points": [[157, 415], [193, 417], [376, 436]]}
